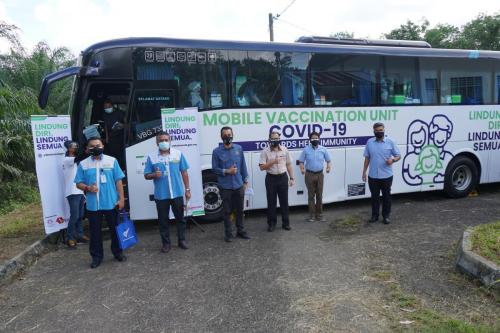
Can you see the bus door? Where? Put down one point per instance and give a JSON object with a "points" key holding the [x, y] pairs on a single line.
{"points": [[149, 97]]}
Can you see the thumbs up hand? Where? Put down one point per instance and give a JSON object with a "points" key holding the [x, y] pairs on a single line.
{"points": [[158, 173]]}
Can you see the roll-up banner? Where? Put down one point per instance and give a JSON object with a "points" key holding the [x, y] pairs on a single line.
{"points": [[49, 134], [182, 125]]}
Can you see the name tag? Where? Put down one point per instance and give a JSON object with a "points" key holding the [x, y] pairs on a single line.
{"points": [[103, 179]]}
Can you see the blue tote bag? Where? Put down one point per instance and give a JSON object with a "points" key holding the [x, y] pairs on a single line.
{"points": [[125, 231]]}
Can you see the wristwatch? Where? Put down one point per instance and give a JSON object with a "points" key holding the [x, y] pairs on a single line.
{"points": [[188, 189]]}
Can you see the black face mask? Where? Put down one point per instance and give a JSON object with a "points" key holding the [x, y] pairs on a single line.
{"points": [[315, 142], [379, 135], [274, 143], [96, 151], [227, 140]]}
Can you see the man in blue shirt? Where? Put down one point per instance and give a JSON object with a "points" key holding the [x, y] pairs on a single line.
{"points": [[311, 163], [228, 163], [167, 167], [380, 153], [100, 177]]}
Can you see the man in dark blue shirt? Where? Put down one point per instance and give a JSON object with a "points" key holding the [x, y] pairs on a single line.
{"points": [[228, 163]]}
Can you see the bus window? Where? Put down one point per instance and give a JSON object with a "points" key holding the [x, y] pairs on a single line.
{"points": [[429, 82], [200, 74], [146, 117], [466, 81], [293, 70], [399, 83], [346, 80], [256, 78]]}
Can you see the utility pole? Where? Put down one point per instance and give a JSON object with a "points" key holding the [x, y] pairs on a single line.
{"points": [[271, 30]]}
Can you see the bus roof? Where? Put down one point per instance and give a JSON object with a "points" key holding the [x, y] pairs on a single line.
{"points": [[157, 42]]}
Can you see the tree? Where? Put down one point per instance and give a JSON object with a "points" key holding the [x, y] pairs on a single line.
{"points": [[21, 70], [409, 31], [343, 35], [443, 36], [482, 33]]}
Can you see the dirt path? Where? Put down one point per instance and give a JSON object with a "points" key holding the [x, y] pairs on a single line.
{"points": [[340, 276]]}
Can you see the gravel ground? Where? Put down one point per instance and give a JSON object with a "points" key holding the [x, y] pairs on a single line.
{"points": [[315, 278]]}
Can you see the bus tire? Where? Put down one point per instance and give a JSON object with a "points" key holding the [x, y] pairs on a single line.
{"points": [[211, 198], [461, 177]]}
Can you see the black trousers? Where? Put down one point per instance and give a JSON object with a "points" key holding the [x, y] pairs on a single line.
{"points": [[376, 186], [95, 225], [233, 200], [277, 187], [163, 208]]}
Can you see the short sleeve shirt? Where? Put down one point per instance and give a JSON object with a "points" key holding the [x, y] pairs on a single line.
{"points": [[170, 185], [283, 156], [378, 152], [314, 158], [104, 173]]}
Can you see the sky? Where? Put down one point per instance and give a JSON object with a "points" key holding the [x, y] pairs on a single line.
{"points": [[78, 24]]}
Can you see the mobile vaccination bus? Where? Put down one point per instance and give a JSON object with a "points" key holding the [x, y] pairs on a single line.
{"points": [[440, 106]]}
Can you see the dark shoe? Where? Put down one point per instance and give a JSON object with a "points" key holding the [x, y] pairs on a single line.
{"points": [[287, 227], [373, 219], [387, 220], [165, 248], [271, 228], [228, 239], [320, 218], [83, 240], [183, 245], [95, 263], [243, 235], [121, 257]]}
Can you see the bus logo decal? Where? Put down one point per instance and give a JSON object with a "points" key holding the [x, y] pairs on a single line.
{"points": [[149, 56], [426, 155], [160, 56]]}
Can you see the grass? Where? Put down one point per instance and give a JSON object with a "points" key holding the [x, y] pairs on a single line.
{"points": [[15, 194], [22, 221], [486, 241], [403, 307]]}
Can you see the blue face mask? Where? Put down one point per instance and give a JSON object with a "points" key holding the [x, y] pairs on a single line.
{"points": [[164, 145], [108, 110]]}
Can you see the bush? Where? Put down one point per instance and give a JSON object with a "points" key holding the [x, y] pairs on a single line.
{"points": [[17, 193]]}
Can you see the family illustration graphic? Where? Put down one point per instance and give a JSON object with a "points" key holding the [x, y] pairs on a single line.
{"points": [[426, 154]]}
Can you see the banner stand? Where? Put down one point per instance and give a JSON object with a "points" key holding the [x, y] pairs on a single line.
{"points": [[188, 219]]}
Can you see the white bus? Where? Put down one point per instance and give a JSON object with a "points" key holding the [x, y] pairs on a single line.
{"points": [[440, 106]]}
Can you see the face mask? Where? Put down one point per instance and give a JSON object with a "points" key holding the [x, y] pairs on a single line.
{"points": [[108, 110], [379, 135], [227, 140], [164, 145], [274, 143], [315, 142], [96, 151]]}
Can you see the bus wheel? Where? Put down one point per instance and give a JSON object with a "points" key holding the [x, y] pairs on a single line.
{"points": [[461, 177], [212, 198]]}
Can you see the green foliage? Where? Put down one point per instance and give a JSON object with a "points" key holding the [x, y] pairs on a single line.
{"points": [[21, 75], [409, 31], [482, 33], [486, 241], [343, 35], [16, 145], [17, 193], [442, 36]]}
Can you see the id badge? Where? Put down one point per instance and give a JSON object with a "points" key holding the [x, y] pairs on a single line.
{"points": [[103, 179]]}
